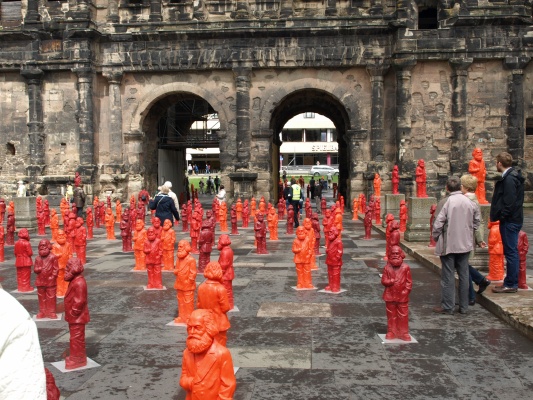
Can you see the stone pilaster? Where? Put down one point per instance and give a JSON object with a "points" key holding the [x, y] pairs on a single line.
{"points": [[377, 143], [242, 10], [32, 13], [34, 77], [155, 11], [242, 83], [262, 163], [403, 67], [287, 8], [418, 217], [87, 166], [112, 11], [115, 117], [516, 128], [354, 140], [458, 156], [331, 7]]}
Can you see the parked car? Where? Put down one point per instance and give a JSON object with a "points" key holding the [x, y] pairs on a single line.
{"points": [[324, 170]]}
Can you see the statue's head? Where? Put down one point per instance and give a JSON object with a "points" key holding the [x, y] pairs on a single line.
{"points": [[333, 233], [156, 222], [213, 271], [223, 241], [79, 222], [61, 237], [139, 225], [396, 256], [150, 233], [201, 330], [308, 224], [477, 153], [167, 224], [421, 163], [301, 233], [24, 234], [44, 247], [184, 248], [73, 269]]}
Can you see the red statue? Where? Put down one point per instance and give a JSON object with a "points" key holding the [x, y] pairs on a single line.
{"points": [[2, 243], [141, 212], [110, 224], [432, 209], [40, 222], [327, 226], [185, 284], [139, 237], [90, 223], [238, 209], [184, 218], [403, 216], [355, 209], [260, 234], [23, 261], [46, 267], [290, 220], [168, 240], [2, 210], [118, 212], [205, 244], [156, 224], [253, 205], [523, 247], [207, 369], [377, 210], [54, 223], [281, 208], [143, 197], [10, 237], [76, 313], [212, 295], [71, 232], [225, 259], [421, 178], [46, 209], [323, 206], [80, 241], [273, 224], [334, 254], [101, 211], [395, 179], [233, 218], [96, 208], [245, 214], [388, 224], [398, 284], [152, 250], [63, 251], [125, 231], [477, 168], [362, 203], [302, 255], [495, 253], [195, 232], [316, 229], [52, 392], [368, 223]]}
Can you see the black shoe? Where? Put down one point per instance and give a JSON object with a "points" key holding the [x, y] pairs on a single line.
{"points": [[471, 302], [483, 285], [440, 310], [504, 289]]}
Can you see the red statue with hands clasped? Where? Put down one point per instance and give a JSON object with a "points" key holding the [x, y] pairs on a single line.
{"points": [[76, 313], [168, 240], [2, 210], [334, 254], [207, 369], [185, 283], [46, 267], [225, 259], [212, 295], [398, 284], [523, 247], [23, 261], [302, 256], [152, 251]]}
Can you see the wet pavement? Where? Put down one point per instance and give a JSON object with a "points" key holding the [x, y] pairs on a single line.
{"points": [[288, 344]]}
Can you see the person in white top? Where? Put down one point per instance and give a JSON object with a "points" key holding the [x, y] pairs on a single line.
{"points": [[172, 195], [221, 196]]}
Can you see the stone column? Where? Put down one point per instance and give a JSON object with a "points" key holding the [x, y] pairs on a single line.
{"points": [[155, 11], [516, 128], [242, 83], [32, 12], [115, 117], [354, 140], [286, 8], [458, 156], [36, 134], [377, 143], [112, 11], [403, 67], [331, 7], [85, 123]]}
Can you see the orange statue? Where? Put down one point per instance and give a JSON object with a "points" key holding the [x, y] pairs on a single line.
{"points": [[212, 295], [403, 215], [421, 178], [65, 209], [139, 237], [245, 214], [90, 223], [253, 205], [96, 208], [334, 254], [238, 209], [308, 225], [223, 217], [262, 205], [302, 254], [355, 209], [168, 240], [523, 247], [185, 284], [495, 253], [152, 251], [41, 230], [80, 241], [110, 224], [225, 259], [398, 284], [63, 251], [23, 261], [46, 267], [54, 223], [477, 168], [273, 224], [362, 203], [233, 219], [118, 211], [207, 369]]}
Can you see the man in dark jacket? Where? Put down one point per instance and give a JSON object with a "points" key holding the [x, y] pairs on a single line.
{"points": [[79, 200], [507, 207], [164, 206]]}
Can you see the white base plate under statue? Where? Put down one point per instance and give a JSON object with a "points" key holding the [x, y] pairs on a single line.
{"points": [[302, 289], [33, 291], [395, 341], [172, 323], [60, 365], [167, 270], [59, 318], [163, 288], [525, 290], [138, 270], [234, 309], [330, 292]]}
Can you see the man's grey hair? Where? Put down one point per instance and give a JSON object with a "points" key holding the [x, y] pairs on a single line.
{"points": [[453, 184]]}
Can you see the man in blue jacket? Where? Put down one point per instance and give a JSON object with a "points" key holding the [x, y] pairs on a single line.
{"points": [[507, 207]]}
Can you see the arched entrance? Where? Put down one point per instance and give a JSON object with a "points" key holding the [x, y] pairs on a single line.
{"points": [[311, 101]]}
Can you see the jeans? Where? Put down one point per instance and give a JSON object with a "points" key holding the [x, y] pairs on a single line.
{"points": [[475, 277], [450, 263], [509, 232]]}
